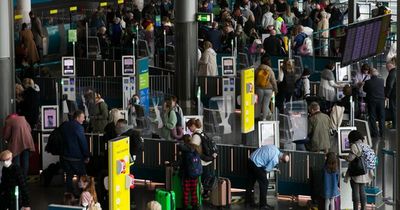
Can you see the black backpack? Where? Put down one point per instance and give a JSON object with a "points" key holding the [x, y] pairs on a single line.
{"points": [[208, 146], [298, 88], [55, 142]]}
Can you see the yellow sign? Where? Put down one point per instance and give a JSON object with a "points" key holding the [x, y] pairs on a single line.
{"points": [[18, 17], [73, 9], [53, 11], [247, 100], [120, 1], [118, 170], [103, 4]]}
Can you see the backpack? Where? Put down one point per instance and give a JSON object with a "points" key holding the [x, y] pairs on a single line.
{"points": [[262, 78], [193, 167], [284, 29], [177, 131], [208, 146], [306, 47], [55, 142], [298, 88], [369, 156]]}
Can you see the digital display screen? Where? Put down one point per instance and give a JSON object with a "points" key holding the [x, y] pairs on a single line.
{"points": [[228, 66], [128, 65], [68, 66], [344, 143], [50, 118], [365, 39]]}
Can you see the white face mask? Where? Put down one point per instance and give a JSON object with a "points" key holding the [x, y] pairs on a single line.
{"points": [[7, 163]]}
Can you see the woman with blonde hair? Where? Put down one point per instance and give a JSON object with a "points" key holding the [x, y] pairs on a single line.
{"points": [[88, 196], [286, 86], [208, 61], [153, 205], [265, 83]]}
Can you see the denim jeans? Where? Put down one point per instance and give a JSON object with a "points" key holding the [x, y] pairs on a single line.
{"points": [[24, 156], [207, 177], [264, 98], [358, 195], [376, 109]]}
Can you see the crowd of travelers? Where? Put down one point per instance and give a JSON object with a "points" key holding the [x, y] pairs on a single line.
{"points": [[244, 23]]}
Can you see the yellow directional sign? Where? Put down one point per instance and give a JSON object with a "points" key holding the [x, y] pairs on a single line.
{"points": [[118, 170], [18, 17], [53, 11], [73, 9], [247, 100]]}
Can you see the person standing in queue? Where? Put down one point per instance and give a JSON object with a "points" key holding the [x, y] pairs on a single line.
{"points": [[75, 149]]}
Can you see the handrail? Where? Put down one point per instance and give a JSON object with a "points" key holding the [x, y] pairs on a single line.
{"points": [[328, 29]]}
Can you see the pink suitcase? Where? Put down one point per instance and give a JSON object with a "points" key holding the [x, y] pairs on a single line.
{"points": [[221, 193]]}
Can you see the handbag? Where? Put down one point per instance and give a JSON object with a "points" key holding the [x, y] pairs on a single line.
{"points": [[358, 166]]}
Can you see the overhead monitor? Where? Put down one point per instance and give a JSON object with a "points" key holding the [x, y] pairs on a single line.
{"points": [[228, 66], [365, 39], [68, 66], [49, 115], [343, 139], [268, 133], [128, 65]]}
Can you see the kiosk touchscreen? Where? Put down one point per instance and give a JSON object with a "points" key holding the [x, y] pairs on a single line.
{"points": [[343, 74], [228, 66], [68, 66], [268, 133], [128, 65], [343, 139], [49, 118]]}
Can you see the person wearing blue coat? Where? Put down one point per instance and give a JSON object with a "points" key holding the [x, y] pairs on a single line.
{"points": [[75, 149]]}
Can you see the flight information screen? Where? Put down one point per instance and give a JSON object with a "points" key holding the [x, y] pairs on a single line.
{"points": [[365, 39]]}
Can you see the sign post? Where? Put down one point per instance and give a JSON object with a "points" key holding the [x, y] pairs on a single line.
{"points": [[143, 80], [247, 102], [72, 37], [119, 181]]}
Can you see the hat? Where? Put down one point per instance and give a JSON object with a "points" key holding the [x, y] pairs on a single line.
{"points": [[355, 136]]}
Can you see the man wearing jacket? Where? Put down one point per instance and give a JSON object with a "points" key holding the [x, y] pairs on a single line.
{"points": [[76, 150], [375, 95], [390, 89]]}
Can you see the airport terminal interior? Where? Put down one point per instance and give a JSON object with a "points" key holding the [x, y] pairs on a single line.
{"points": [[198, 104]]}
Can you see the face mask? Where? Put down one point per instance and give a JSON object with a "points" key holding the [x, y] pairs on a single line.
{"points": [[7, 163]]}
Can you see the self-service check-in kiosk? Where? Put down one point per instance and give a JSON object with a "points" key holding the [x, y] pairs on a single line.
{"points": [[344, 149], [226, 104]]}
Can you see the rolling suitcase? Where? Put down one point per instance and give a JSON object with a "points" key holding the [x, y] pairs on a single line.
{"points": [[166, 199], [221, 193], [174, 183]]}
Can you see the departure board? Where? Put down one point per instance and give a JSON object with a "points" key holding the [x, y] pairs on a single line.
{"points": [[365, 39]]}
